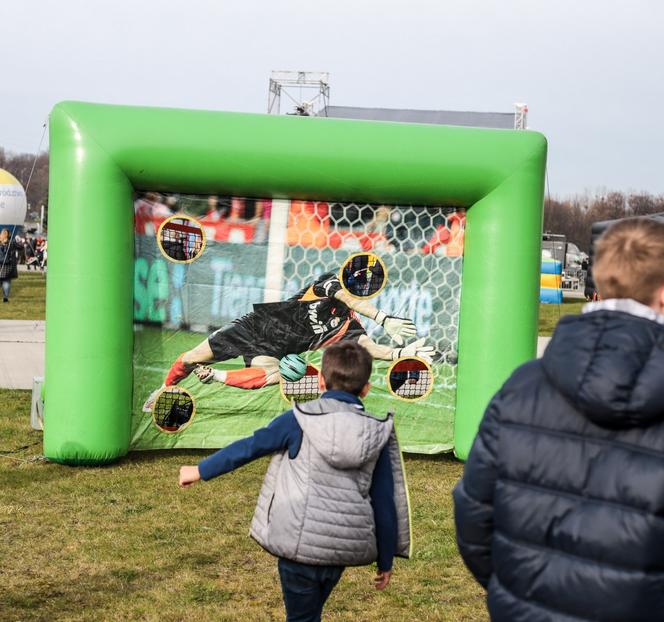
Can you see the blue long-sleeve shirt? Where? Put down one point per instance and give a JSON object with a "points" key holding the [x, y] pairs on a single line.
{"points": [[285, 432]]}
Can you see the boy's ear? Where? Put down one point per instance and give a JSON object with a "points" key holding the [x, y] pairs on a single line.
{"points": [[365, 389], [321, 383], [659, 300]]}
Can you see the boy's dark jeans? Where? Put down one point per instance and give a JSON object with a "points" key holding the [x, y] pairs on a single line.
{"points": [[306, 588]]}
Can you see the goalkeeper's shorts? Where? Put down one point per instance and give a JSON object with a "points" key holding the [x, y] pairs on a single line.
{"points": [[247, 337]]}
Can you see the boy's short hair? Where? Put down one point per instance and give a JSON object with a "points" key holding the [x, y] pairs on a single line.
{"points": [[629, 260], [346, 367]]}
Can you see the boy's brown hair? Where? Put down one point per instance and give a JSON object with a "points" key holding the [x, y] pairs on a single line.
{"points": [[629, 260], [346, 367]]}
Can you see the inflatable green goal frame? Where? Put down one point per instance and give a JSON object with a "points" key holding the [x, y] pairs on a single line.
{"points": [[100, 154]]}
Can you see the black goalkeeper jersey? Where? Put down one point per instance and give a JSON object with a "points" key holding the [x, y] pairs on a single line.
{"points": [[311, 319]]}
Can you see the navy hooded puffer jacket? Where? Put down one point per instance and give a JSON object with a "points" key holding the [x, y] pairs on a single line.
{"points": [[560, 512]]}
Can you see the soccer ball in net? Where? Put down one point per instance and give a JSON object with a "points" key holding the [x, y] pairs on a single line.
{"points": [[292, 367]]}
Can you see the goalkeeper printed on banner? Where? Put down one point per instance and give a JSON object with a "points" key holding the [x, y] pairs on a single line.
{"points": [[321, 314]]}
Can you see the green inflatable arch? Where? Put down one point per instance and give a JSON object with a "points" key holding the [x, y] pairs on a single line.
{"points": [[101, 154]]}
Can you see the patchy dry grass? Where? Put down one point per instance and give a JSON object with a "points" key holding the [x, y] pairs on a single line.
{"points": [[125, 543], [27, 300]]}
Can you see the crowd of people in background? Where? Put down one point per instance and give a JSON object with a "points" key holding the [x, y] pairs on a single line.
{"points": [[317, 224], [226, 219], [31, 251]]}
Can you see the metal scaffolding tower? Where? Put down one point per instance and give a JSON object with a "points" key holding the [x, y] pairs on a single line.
{"points": [[295, 85], [520, 116]]}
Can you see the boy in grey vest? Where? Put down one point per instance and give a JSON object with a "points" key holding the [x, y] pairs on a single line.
{"points": [[335, 492]]}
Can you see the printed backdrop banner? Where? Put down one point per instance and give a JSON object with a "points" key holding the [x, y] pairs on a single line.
{"points": [[413, 254]]}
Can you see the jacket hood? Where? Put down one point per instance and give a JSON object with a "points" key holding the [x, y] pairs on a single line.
{"points": [[345, 435], [610, 364]]}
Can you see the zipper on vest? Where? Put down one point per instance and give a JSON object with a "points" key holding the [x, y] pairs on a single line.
{"points": [[269, 508]]}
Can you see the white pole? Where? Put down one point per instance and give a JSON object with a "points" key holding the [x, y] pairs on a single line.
{"points": [[41, 221], [276, 250]]}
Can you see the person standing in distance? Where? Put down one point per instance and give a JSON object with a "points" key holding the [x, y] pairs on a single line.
{"points": [[8, 268]]}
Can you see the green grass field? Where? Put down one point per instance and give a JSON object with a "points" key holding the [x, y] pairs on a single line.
{"points": [[549, 315], [125, 543], [27, 300]]}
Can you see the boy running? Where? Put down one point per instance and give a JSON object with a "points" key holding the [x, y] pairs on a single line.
{"points": [[335, 492]]}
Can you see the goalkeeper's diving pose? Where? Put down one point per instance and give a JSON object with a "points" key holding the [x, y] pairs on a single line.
{"points": [[319, 315]]}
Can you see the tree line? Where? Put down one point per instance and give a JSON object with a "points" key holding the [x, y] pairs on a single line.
{"points": [[572, 217]]}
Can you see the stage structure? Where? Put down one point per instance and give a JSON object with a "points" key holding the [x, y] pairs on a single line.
{"points": [[230, 249], [295, 84], [462, 118]]}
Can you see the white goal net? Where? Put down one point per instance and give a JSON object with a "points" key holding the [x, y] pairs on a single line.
{"points": [[421, 246]]}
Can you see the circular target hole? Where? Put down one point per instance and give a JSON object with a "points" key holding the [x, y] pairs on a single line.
{"points": [[410, 379], [173, 409], [296, 387], [364, 275], [181, 239]]}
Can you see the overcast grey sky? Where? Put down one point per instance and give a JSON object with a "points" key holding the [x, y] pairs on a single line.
{"points": [[591, 71]]}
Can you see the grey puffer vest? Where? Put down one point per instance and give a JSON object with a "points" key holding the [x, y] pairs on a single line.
{"points": [[315, 508]]}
